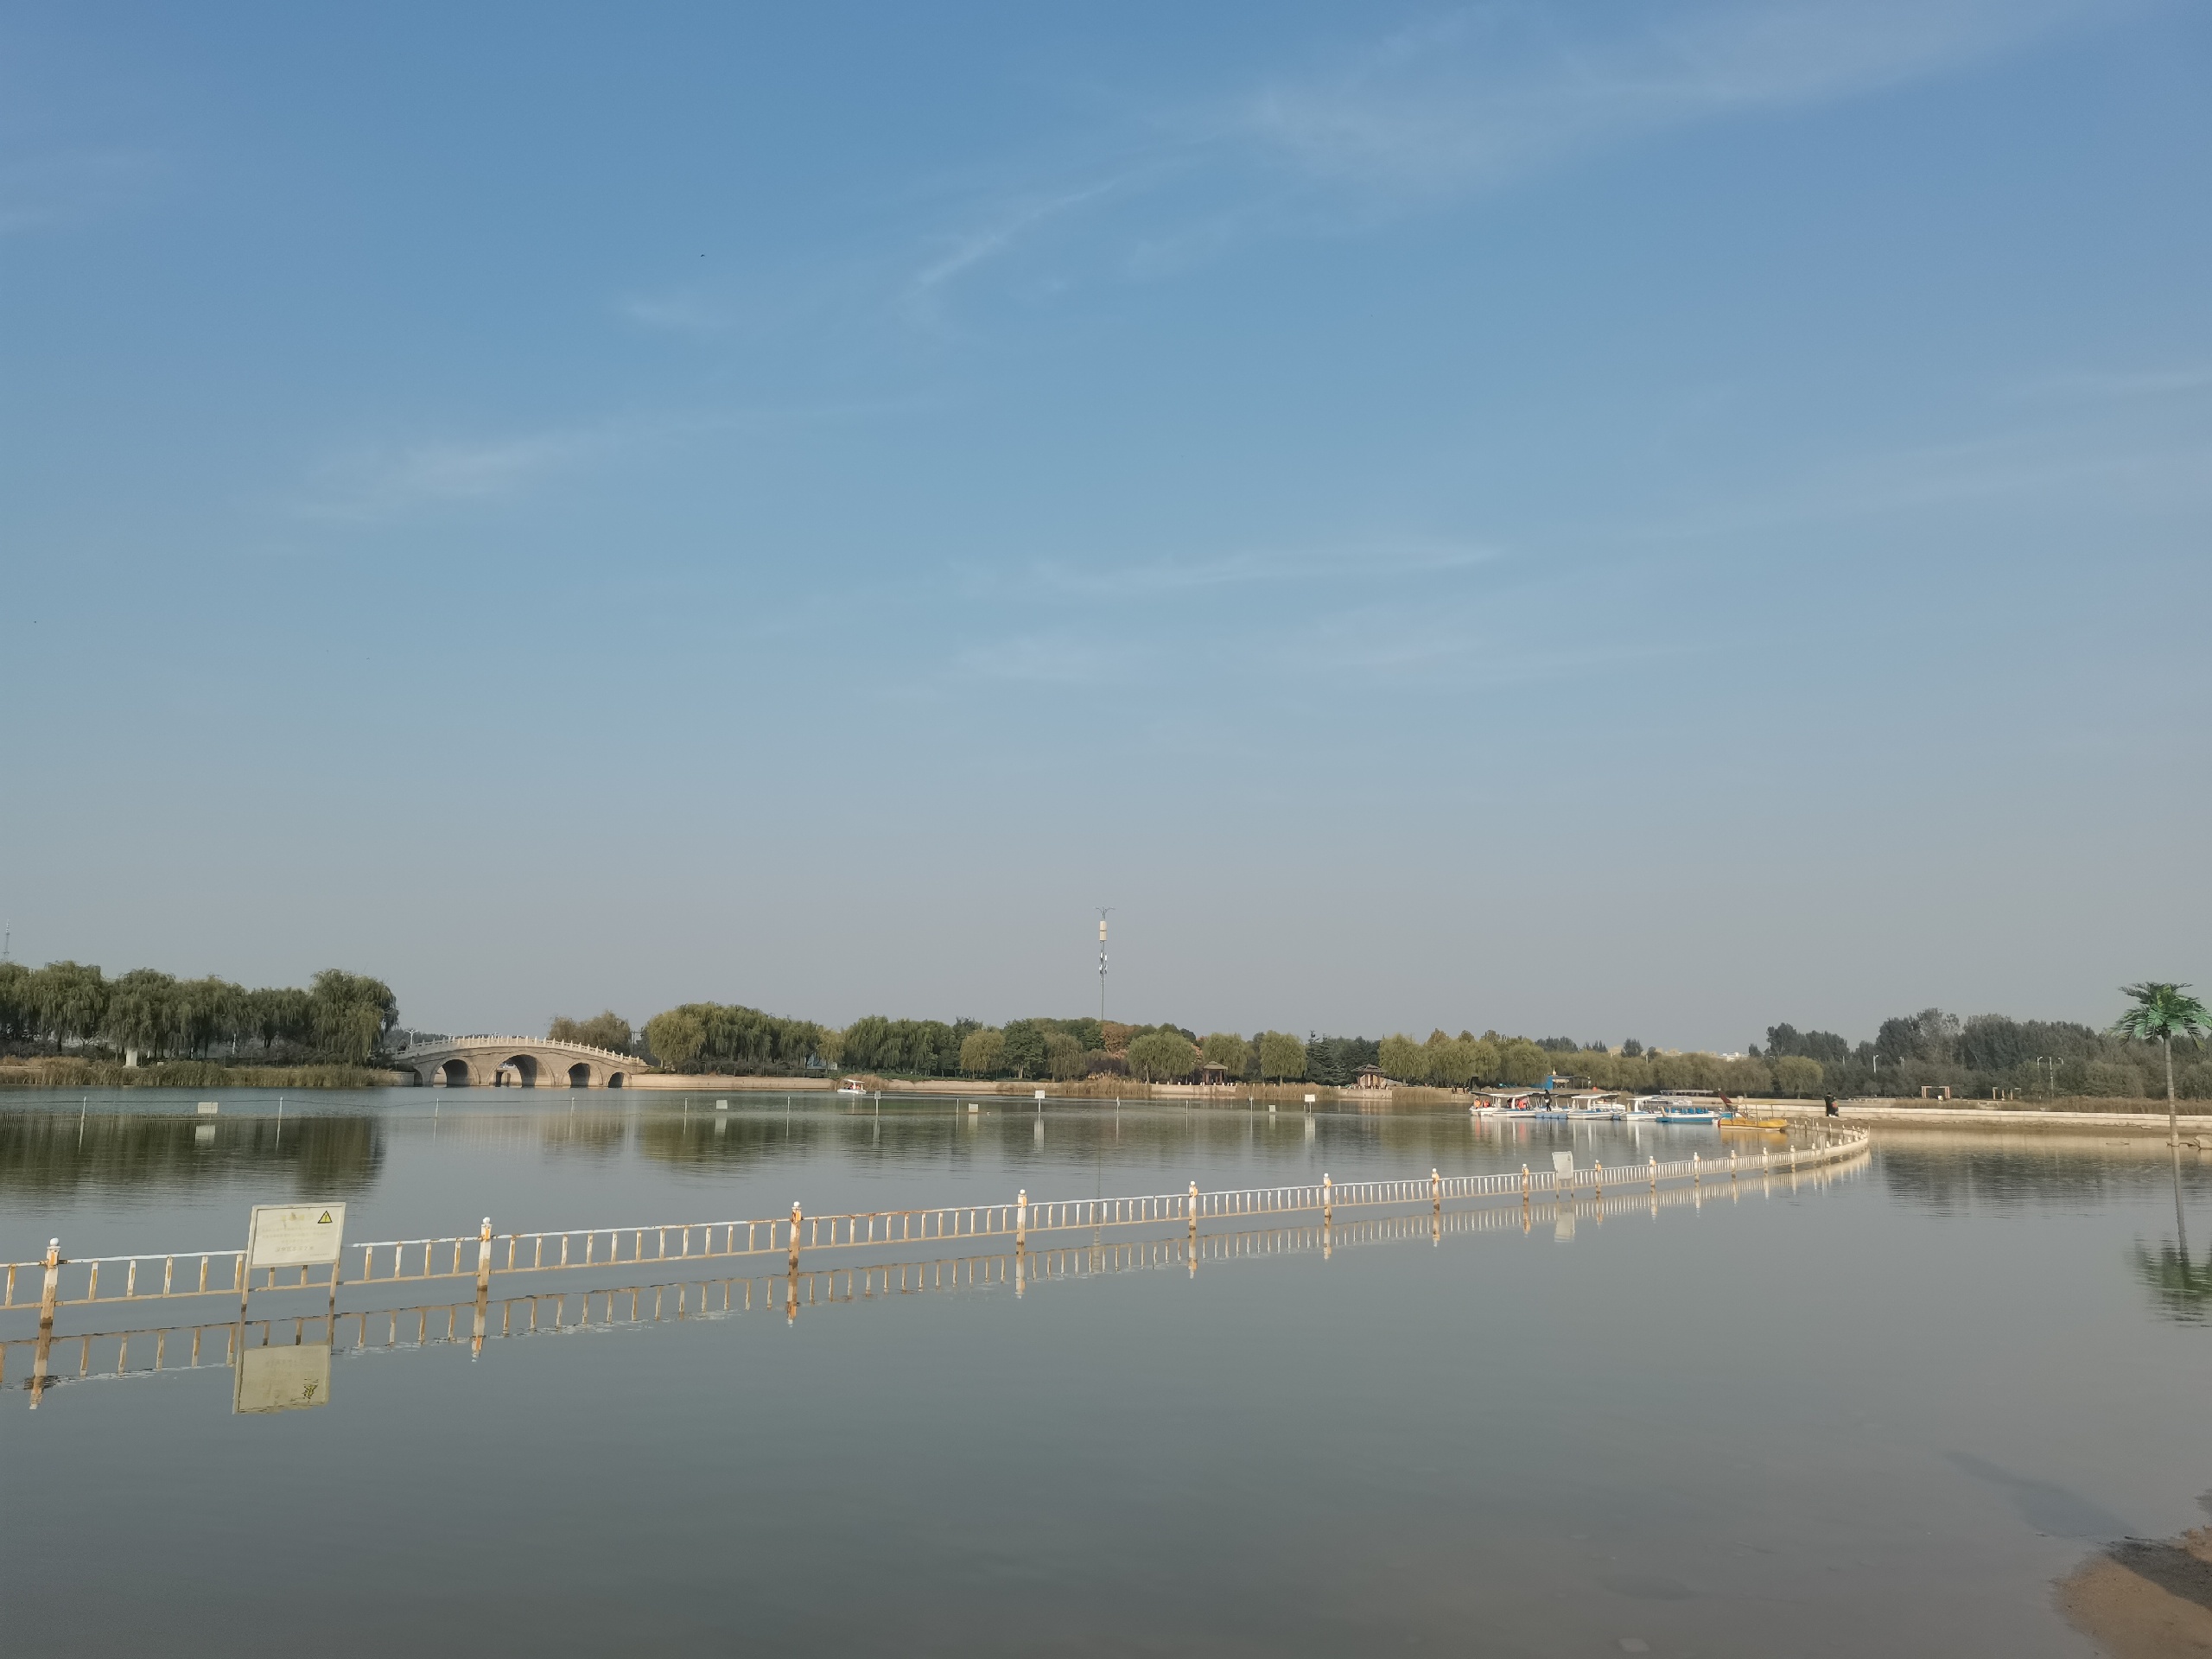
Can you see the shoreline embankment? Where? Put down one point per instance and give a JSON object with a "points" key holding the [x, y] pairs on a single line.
{"points": [[68, 1072], [2100, 1116]]}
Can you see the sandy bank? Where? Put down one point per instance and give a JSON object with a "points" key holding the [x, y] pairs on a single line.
{"points": [[2144, 1596]]}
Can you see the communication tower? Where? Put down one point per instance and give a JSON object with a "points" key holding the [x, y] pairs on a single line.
{"points": [[1103, 909]]}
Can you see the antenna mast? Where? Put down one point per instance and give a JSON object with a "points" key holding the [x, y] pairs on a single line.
{"points": [[1103, 909]]}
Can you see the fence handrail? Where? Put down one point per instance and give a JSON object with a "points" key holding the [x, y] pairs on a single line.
{"points": [[790, 1235], [473, 1321]]}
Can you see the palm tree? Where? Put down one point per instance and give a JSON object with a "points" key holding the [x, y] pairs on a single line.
{"points": [[2165, 1012]]}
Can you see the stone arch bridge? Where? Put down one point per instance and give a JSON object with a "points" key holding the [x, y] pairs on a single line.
{"points": [[515, 1062]]}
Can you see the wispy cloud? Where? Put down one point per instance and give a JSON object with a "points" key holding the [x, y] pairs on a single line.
{"points": [[1474, 99], [381, 481], [1485, 96], [1368, 563], [1006, 226]]}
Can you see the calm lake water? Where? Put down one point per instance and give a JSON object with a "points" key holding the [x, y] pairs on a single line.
{"points": [[1880, 1412]]}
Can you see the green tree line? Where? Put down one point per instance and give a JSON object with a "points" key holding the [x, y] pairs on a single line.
{"points": [[1979, 1052], [709, 1037], [607, 1030], [1972, 1055], [341, 1018]]}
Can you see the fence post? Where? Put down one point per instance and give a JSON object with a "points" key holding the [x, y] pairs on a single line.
{"points": [[1194, 1210], [1696, 1172], [1020, 1221], [1731, 1163], [1328, 1199], [43, 1353], [1598, 1177], [794, 1261], [484, 1256], [1655, 1173], [51, 1294], [1524, 1187], [1435, 1192]]}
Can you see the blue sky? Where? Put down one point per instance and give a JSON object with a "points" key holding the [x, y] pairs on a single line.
{"points": [[1619, 520]]}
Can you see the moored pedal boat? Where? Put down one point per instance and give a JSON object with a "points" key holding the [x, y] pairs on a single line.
{"points": [[1676, 1108]]}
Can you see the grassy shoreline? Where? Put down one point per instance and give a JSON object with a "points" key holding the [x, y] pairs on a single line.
{"points": [[68, 1072]]}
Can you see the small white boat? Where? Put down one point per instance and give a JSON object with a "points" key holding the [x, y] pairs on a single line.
{"points": [[1675, 1109], [851, 1086]]}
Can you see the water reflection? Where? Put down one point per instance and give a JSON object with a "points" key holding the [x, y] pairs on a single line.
{"points": [[2181, 1285], [591, 1134], [49, 1360], [1963, 1174], [51, 1156]]}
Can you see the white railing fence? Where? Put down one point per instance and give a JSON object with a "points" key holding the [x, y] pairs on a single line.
{"points": [[56, 1281], [48, 1361]]}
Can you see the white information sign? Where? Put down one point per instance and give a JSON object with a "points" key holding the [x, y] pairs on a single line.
{"points": [[294, 1235], [283, 1379], [1563, 1163]]}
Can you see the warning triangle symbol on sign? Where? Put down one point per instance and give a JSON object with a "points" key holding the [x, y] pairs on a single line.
{"points": [[326, 1217]]}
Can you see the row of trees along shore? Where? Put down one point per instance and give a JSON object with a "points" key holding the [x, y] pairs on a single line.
{"points": [[709, 1038], [1984, 1052], [1972, 1057], [713, 1038], [340, 1019]]}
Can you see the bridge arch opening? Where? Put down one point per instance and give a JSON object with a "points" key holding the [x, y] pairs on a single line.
{"points": [[524, 1068], [580, 1076], [614, 1080], [454, 1074]]}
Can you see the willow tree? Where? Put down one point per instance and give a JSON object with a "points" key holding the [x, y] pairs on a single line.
{"points": [[1162, 1056], [350, 1014], [2163, 1012], [1281, 1056], [72, 1001], [143, 1016], [1227, 1050], [981, 1051]]}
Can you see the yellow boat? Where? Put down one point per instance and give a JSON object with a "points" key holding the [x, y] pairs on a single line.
{"points": [[1762, 1125]]}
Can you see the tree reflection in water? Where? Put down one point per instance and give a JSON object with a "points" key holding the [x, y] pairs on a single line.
{"points": [[2182, 1287], [53, 1155]]}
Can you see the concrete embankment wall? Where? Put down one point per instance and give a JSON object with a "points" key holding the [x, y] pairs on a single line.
{"points": [[2009, 1117], [708, 1084], [1101, 1088]]}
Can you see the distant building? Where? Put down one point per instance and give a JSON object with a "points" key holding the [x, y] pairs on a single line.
{"points": [[1370, 1076]]}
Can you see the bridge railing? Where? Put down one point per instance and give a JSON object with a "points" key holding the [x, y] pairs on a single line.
{"points": [[57, 1281], [418, 1051]]}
